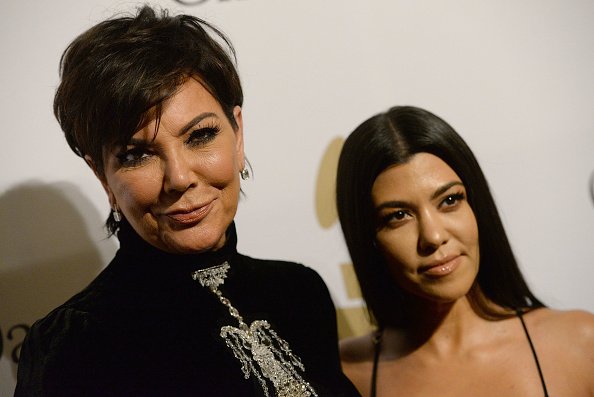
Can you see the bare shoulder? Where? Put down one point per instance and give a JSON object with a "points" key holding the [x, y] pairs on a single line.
{"points": [[567, 336], [357, 349], [564, 341], [574, 325]]}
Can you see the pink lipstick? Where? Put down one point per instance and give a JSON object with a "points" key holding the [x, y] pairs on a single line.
{"points": [[441, 268], [190, 217]]}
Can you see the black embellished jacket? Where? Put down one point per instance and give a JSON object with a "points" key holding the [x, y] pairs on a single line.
{"points": [[144, 327]]}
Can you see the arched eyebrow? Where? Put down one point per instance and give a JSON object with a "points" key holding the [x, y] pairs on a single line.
{"points": [[195, 121], [142, 142], [445, 188], [392, 204], [399, 204]]}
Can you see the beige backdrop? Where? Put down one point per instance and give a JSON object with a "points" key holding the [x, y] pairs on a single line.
{"points": [[514, 78]]}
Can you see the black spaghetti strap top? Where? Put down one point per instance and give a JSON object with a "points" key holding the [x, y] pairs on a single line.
{"points": [[377, 347], [542, 381]]}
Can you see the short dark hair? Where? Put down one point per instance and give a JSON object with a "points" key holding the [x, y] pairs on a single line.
{"points": [[116, 75], [393, 138]]}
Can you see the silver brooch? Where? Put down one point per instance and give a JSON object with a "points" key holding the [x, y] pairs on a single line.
{"points": [[258, 348]]}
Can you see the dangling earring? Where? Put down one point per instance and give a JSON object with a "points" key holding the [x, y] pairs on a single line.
{"points": [[245, 174], [117, 216]]}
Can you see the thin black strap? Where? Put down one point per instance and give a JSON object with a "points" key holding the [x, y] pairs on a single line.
{"points": [[544, 386], [377, 347]]}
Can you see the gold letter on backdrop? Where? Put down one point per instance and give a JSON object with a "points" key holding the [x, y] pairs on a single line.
{"points": [[352, 321]]}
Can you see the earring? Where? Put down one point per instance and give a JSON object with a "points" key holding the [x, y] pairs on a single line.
{"points": [[245, 174], [117, 215]]}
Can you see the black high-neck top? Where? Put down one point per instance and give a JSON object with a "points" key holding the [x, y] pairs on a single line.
{"points": [[144, 327]]}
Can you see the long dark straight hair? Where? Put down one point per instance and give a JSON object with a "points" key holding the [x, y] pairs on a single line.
{"points": [[392, 138]]}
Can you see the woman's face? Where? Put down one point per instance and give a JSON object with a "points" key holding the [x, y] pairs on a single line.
{"points": [[426, 229], [179, 189]]}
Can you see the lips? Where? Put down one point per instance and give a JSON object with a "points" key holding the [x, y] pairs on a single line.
{"points": [[441, 268], [189, 216]]}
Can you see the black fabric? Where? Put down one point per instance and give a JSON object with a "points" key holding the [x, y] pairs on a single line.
{"points": [[542, 380], [377, 348], [144, 327]]}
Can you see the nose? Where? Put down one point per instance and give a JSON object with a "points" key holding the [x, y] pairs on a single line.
{"points": [[432, 232], [178, 173]]}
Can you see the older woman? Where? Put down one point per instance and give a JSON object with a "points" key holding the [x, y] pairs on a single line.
{"points": [[152, 103], [455, 316]]}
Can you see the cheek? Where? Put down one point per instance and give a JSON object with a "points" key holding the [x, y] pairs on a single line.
{"points": [[469, 231], [137, 189], [400, 265], [222, 167], [399, 251]]}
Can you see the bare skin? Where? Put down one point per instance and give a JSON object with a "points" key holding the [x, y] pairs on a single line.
{"points": [[428, 235], [469, 356]]}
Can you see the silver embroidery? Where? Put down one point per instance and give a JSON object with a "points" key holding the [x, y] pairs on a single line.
{"points": [[258, 348]]}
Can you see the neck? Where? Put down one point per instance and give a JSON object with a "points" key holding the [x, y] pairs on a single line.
{"points": [[439, 328], [132, 244], [432, 318]]}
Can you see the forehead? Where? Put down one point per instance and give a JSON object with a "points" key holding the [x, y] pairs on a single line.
{"points": [[423, 174], [191, 97], [191, 100]]}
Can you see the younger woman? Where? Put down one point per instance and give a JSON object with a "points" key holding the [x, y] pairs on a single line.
{"points": [[454, 314]]}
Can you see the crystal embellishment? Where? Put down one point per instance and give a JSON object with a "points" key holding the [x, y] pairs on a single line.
{"points": [[258, 348], [212, 277]]}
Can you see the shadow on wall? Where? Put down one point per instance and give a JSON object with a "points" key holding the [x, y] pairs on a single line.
{"points": [[592, 187], [46, 255]]}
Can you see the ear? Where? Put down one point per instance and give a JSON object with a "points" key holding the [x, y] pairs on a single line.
{"points": [[103, 180], [239, 136]]}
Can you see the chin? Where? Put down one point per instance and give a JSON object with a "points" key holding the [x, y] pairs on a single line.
{"points": [[442, 292], [445, 298], [449, 295], [187, 242]]}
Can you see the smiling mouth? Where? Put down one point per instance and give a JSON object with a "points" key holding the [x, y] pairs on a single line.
{"points": [[190, 217], [441, 269]]}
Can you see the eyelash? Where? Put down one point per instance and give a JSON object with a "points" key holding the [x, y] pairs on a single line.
{"points": [[394, 216], [203, 135], [457, 197], [137, 155], [399, 215]]}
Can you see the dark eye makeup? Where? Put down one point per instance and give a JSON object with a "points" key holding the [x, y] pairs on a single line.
{"points": [[393, 217], [452, 199], [133, 157], [203, 135]]}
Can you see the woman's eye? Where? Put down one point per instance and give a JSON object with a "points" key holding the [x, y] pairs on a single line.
{"points": [[203, 135], [132, 157], [398, 215], [395, 216], [452, 200]]}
